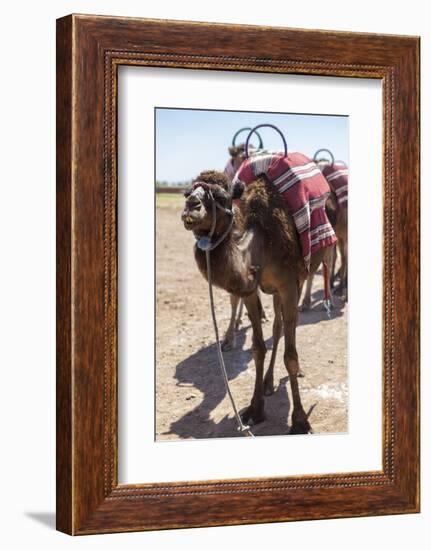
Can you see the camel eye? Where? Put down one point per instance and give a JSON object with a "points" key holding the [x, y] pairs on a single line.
{"points": [[195, 205]]}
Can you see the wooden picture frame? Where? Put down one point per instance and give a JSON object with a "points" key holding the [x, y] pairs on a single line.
{"points": [[89, 51]]}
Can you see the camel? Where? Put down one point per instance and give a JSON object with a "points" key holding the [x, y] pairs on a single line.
{"points": [[258, 248], [331, 212], [337, 214], [237, 157], [335, 173]]}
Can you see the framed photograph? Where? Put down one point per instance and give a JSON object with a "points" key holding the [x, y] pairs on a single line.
{"points": [[237, 274]]}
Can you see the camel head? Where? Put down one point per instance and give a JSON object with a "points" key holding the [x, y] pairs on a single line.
{"points": [[198, 210], [322, 162], [237, 155]]}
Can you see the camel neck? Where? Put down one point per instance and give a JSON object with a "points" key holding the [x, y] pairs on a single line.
{"points": [[230, 264], [222, 231]]}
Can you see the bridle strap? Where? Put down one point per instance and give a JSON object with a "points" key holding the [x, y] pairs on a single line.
{"points": [[205, 243]]}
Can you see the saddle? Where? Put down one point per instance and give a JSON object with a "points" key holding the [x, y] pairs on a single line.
{"points": [[337, 176]]}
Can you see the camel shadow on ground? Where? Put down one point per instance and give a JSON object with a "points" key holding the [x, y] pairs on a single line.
{"points": [[317, 312], [201, 371]]}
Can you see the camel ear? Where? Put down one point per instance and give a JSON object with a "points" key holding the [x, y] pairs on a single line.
{"points": [[237, 190]]}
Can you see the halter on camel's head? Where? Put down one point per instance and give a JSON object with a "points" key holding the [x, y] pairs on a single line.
{"points": [[207, 195], [209, 187]]}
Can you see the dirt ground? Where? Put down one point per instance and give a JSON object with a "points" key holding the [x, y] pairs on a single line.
{"points": [[191, 401]]}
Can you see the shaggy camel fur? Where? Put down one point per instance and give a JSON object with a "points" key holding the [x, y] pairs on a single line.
{"points": [[237, 156], [261, 251]]}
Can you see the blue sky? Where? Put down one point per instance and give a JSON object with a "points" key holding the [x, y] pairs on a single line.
{"points": [[189, 141]]}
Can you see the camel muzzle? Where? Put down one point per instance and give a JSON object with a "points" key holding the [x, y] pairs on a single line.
{"points": [[190, 219]]}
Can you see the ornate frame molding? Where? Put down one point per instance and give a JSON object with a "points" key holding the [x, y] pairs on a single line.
{"points": [[90, 49]]}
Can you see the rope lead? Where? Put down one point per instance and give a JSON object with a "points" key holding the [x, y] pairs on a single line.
{"points": [[241, 427]]}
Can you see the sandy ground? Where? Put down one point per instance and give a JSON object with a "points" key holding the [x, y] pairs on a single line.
{"points": [[191, 401]]}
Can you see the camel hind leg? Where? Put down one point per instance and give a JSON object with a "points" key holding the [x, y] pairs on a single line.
{"points": [[261, 308], [229, 338], [306, 301], [333, 274], [289, 304], [238, 321], [342, 287], [342, 235], [240, 311], [328, 258], [277, 327]]}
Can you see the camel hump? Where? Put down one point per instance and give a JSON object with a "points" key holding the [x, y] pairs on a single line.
{"points": [[261, 205], [304, 189]]}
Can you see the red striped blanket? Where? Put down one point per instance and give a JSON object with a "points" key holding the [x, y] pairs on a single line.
{"points": [[304, 190], [337, 177]]}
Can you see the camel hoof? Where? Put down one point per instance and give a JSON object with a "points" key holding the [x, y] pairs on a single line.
{"points": [[268, 387], [300, 424], [228, 344], [300, 427], [251, 416], [305, 306], [339, 291]]}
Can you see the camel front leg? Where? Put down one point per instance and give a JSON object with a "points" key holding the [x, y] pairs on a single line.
{"points": [[229, 339], [277, 327], [254, 413], [289, 304]]}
